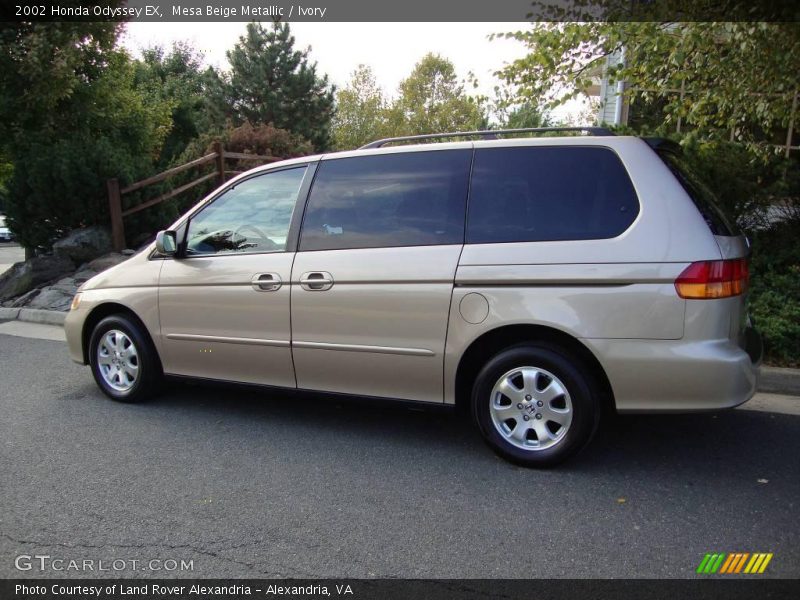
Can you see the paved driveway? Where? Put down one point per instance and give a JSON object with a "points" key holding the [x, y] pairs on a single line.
{"points": [[9, 254], [248, 484]]}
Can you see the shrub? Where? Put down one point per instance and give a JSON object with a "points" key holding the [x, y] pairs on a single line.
{"points": [[266, 140], [775, 291]]}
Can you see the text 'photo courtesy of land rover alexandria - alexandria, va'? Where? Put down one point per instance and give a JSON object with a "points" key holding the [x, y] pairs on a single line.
{"points": [[537, 281]]}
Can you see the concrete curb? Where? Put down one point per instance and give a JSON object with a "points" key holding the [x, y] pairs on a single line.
{"points": [[46, 317], [776, 380], [9, 313]]}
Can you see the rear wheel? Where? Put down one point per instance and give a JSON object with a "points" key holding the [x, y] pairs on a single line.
{"points": [[123, 360], [535, 405]]}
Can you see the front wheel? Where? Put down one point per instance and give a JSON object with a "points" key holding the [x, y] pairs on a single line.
{"points": [[535, 405], [123, 360]]}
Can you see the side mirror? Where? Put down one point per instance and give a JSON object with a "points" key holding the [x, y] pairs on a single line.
{"points": [[166, 243]]}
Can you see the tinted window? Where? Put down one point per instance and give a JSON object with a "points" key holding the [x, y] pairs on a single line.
{"points": [[702, 196], [549, 193], [253, 216], [408, 199]]}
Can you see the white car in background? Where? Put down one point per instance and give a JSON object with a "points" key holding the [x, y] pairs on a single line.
{"points": [[5, 233]]}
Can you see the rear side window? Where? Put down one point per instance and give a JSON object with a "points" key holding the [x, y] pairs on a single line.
{"points": [[550, 193], [702, 196], [405, 199]]}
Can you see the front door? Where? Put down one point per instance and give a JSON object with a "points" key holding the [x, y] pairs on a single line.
{"points": [[224, 305], [373, 277]]}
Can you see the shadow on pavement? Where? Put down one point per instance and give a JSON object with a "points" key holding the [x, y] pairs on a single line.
{"points": [[716, 445]]}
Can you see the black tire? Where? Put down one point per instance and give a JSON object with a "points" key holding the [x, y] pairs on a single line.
{"points": [[582, 393], [149, 375]]}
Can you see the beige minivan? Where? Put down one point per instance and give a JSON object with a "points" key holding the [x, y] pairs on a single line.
{"points": [[535, 280]]}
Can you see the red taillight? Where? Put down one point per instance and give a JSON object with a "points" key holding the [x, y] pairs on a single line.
{"points": [[713, 279]]}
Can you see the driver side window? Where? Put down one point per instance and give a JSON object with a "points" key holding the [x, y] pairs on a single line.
{"points": [[253, 216]]}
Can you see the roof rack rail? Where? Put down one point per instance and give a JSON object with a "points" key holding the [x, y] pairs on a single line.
{"points": [[489, 134]]}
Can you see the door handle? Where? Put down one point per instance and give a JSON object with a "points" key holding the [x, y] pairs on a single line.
{"points": [[266, 282], [316, 281]]}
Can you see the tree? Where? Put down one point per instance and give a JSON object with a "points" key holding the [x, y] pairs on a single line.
{"points": [[525, 115], [737, 75], [178, 78], [6, 169], [41, 65], [432, 100], [271, 82], [70, 117], [360, 111]]}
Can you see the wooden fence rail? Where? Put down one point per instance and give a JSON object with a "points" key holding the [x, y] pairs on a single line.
{"points": [[218, 157]]}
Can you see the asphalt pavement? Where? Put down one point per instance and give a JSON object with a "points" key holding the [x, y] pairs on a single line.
{"points": [[249, 484], [9, 254]]}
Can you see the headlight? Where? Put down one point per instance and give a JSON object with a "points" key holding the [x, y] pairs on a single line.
{"points": [[76, 301]]}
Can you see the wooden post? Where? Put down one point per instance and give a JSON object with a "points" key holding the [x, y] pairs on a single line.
{"points": [[115, 210], [220, 162], [790, 131]]}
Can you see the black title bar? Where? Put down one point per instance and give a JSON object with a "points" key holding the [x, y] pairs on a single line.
{"points": [[406, 11], [731, 588]]}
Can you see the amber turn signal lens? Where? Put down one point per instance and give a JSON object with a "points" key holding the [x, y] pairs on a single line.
{"points": [[713, 279], [76, 301]]}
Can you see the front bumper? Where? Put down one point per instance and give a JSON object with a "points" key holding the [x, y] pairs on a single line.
{"points": [[73, 329], [652, 376]]}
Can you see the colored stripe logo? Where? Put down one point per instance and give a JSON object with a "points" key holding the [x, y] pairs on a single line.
{"points": [[734, 562]]}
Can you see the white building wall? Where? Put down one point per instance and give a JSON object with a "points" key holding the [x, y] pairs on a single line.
{"points": [[609, 96]]}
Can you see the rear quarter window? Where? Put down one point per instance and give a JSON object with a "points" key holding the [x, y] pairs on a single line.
{"points": [[534, 194], [703, 198]]}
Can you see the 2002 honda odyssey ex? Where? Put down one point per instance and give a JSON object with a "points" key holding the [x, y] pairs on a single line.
{"points": [[536, 280]]}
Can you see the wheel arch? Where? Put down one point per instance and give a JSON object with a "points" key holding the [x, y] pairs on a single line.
{"points": [[493, 341], [106, 309]]}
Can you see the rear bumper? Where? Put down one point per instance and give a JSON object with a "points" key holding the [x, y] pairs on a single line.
{"points": [[650, 376]]}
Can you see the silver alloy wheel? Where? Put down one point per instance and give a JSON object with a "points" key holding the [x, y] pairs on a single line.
{"points": [[531, 408], [118, 360]]}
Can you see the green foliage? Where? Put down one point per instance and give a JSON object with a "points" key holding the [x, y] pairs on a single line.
{"points": [[432, 100], [266, 140], [65, 139], [526, 115], [75, 111], [361, 111], [775, 291], [43, 64], [739, 75], [177, 78], [6, 170], [271, 82]]}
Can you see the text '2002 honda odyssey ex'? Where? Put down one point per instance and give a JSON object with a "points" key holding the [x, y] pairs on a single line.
{"points": [[535, 280]]}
